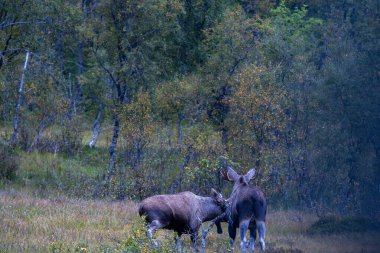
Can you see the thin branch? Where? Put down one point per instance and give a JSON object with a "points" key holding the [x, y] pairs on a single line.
{"points": [[104, 67], [5, 26], [223, 217], [12, 50]]}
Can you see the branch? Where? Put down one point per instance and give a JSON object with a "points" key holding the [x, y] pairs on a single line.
{"points": [[238, 61], [12, 50], [104, 67], [4, 26], [226, 216], [219, 218], [206, 231]]}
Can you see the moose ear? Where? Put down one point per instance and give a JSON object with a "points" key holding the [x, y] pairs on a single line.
{"points": [[218, 197], [231, 174], [250, 175], [214, 193]]}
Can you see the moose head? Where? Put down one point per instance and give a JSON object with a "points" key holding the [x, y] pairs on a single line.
{"points": [[232, 176]]}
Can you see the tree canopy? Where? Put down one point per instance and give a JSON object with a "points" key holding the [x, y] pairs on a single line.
{"points": [[172, 86]]}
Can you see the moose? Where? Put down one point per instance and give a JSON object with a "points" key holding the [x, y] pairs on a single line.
{"points": [[182, 212], [247, 207]]}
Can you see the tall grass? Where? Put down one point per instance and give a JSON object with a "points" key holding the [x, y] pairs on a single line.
{"points": [[59, 224], [31, 224], [47, 173]]}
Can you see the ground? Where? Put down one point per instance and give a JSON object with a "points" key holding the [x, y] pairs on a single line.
{"points": [[60, 224]]}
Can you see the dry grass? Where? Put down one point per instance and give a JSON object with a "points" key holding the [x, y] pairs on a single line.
{"points": [[288, 230], [31, 224]]}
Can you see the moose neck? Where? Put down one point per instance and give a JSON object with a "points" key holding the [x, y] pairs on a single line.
{"points": [[236, 190], [209, 209]]}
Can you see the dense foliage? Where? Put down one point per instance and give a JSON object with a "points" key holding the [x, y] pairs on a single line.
{"points": [[166, 92]]}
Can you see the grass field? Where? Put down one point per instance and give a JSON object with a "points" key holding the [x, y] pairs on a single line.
{"points": [[60, 224]]}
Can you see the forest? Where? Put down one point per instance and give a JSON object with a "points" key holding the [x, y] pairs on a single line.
{"points": [[105, 102]]}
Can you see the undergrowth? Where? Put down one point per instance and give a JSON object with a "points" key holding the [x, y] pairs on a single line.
{"points": [[135, 242], [9, 163], [62, 224], [337, 225]]}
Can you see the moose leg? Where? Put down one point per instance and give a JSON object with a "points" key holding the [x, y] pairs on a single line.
{"points": [[252, 233], [243, 232], [219, 227], [194, 240], [178, 242], [232, 234], [261, 229], [152, 227]]}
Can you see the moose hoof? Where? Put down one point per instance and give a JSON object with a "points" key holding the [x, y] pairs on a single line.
{"points": [[262, 245]]}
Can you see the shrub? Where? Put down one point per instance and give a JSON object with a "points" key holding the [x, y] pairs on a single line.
{"points": [[63, 247], [25, 136], [336, 225], [138, 242], [202, 177], [8, 162]]}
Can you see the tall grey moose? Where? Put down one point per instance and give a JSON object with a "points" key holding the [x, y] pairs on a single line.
{"points": [[248, 209], [182, 212]]}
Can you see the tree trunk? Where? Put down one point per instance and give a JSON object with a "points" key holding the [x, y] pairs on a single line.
{"points": [[170, 132], [73, 109], [18, 105], [179, 128], [112, 149], [178, 180], [96, 128], [43, 124], [78, 87]]}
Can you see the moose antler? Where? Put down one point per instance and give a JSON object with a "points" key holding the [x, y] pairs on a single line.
{"points": [[229, 174], [223, 174]]}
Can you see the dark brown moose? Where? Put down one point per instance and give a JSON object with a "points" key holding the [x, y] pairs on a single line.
{"points": [[182, 212], [248, 209]]}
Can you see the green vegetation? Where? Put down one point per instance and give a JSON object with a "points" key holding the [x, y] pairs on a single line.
{"points": [[118, 100], [120, 95], [337, 225], [8, 163]]}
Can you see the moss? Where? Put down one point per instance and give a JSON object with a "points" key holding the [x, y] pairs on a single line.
{"points": [[336, 225]]}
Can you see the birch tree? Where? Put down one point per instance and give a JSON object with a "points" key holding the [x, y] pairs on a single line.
{"points": [[126, 41], [19, 99]]}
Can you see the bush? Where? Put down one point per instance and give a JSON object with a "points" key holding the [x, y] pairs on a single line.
{"points": [[8, 162], [202, 177], [336, 225]]}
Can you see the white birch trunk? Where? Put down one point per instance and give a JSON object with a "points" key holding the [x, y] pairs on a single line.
{"points": [[18, 105], [96, 129]]}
